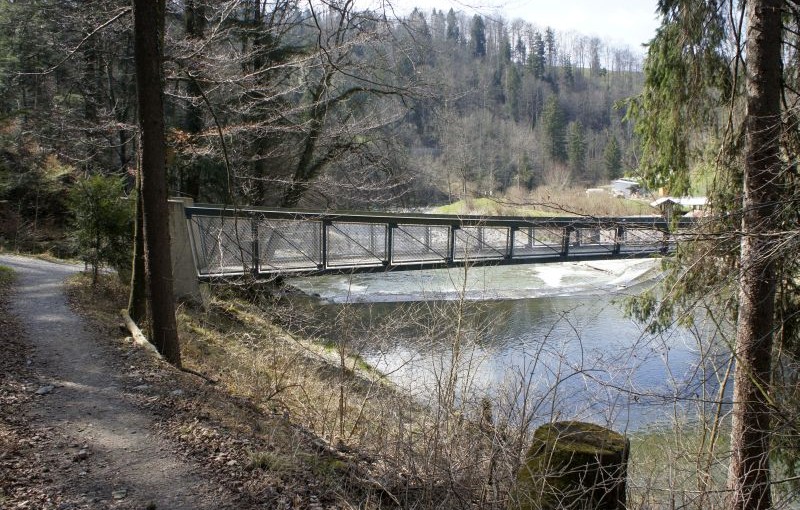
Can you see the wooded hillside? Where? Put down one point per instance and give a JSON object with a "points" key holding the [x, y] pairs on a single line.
{"points": [[285, 103]]}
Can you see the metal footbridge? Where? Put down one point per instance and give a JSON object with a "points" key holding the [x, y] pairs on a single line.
{"points": [[228, 241]]}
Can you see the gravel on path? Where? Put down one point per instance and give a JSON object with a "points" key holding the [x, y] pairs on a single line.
{"points": [[89, 445]]}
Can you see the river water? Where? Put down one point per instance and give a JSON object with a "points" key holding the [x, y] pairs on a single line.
{"points": [[551, 339]]}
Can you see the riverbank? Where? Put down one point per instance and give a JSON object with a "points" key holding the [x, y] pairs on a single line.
{"points": [[95, 422], [297, 418], [485, 439]]}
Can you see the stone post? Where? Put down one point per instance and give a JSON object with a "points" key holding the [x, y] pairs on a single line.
{"points": [[574, 465], [184, 273]]}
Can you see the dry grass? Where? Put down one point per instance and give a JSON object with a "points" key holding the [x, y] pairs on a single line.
{"points": [[100, 303], [411, 455], [236, 342], [675, 466]]}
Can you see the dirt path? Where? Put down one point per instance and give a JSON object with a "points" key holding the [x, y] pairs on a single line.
{"points": [[89, 444]]}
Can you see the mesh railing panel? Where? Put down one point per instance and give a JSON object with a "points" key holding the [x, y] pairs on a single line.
{"points": [[420, 243], [537, 242], [222, 245], [592, 240], [356, 244], [640, 240], [289, 245], [480, 243]]}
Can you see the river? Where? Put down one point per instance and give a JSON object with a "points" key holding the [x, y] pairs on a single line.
{"points": [[548, 337]]}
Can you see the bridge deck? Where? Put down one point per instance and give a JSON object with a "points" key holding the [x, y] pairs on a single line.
{"points": [[265, 242]]}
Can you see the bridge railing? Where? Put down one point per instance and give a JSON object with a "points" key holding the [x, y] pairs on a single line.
{"points": [[259, 241]]}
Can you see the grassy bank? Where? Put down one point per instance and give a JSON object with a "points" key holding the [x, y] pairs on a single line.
{"points": [[433, 452], [548, 202]]}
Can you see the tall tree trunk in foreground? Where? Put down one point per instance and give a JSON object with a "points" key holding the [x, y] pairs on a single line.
{"points": [[148, 28], [749, 475]]}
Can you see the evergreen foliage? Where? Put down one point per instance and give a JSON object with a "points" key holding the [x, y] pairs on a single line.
{"points": [[576, 147], [453, 32], [478, 36], [103, 223], [699, 110], [612, 158], [555, 126]]}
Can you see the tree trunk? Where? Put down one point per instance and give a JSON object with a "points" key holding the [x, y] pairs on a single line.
{"points": [[148, 29], [749, 477]]}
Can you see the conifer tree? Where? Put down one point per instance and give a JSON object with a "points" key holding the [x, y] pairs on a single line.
{"points": [[688, 82], [576, 148], [612, 158], [478, 36], [555, 127], [452, 26], [149, 25]]}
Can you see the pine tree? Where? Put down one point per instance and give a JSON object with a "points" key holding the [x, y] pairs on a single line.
{"points": [[536, 57], [148, 18], [612, 158], [478, 36], [550, 46], [569, 74], [513, 91], [452, 26], [555, 129], [576, 148], [688, 81]]}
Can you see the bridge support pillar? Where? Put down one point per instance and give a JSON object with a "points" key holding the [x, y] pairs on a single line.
{"points": [[184, 274]]}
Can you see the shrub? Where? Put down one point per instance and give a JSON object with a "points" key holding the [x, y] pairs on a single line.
{"points": [[103, 223]]}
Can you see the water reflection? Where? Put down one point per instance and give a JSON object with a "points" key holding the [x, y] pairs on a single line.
{"points": [[553, 336]]}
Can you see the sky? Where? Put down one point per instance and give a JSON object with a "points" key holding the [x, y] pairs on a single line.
{"points": [[620, 22]]}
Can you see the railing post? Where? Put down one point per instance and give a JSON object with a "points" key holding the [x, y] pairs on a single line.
{"points": [[565, 241], [512, 233], [451, 248], [254, 246], [389, 243], [619, 237], [324, 262], [428, 238]]}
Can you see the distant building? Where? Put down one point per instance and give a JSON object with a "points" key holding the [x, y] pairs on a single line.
{"points": [[666, 205], [626, 188]]}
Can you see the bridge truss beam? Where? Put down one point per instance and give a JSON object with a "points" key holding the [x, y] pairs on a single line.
{"points": [[263, 242]]}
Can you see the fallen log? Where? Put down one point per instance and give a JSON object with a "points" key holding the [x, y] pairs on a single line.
{"points": [[136, 333]]}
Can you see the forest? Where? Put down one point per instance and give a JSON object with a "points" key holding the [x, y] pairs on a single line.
{"points": [[319, 106]]}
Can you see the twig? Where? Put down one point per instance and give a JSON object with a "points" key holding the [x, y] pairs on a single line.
{"points": [[198, 374], [81, 43]]}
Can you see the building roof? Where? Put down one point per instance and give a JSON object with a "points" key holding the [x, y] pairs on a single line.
{"points": [[684, 201]]}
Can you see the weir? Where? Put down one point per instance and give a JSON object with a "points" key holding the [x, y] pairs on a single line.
{"points": [[226, 241]]}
